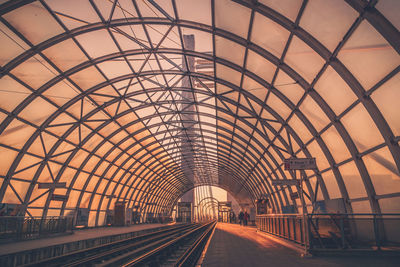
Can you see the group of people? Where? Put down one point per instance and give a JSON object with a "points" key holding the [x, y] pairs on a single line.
{"points": [[244, 217]]}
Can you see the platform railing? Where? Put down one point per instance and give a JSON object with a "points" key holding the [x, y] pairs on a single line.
{"points": [[333, 231], [21, 228]]}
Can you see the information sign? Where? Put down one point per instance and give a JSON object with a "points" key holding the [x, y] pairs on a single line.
{"points": [[51, 185], [294, 195], [300, 164], [285, 182], [59, 197]]}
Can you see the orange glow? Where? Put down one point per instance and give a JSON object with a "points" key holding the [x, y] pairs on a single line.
{"points": [[249, 233]]}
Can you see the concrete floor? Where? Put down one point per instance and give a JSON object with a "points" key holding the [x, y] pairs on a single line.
{"points": [[234, 245]]}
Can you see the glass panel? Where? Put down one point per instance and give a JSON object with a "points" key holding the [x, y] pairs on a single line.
{"points": [[288, 87], [20, 187], [122, 9], [260, 66], [10, 45], [16, 134], [288, 8], [61, 92], [157, 33], [269, 35], [229, 50], [73, 198], [135, 34], [386, 98], [361, 207], [362, 128], [316, 152], [41, 201], [124, 40], [194, 10], [303, 59], [232, 17], [228, 74], [314, 113], [76, 17], [335, 91], [34, 72], [87, 78], [300, 129], [35, 212], [97, 43], [65, 54], [92, 219], [331, 184], [7, 157], [328, 29], [352, 180], [278, 106], [85, 200], [383, 171], [203, 40], [38, 111], [390, 205], [102, 219], [368, 56], [255, 88], [31, 19], [335, 144], [147, 10], [114, 69], [13, 91]]}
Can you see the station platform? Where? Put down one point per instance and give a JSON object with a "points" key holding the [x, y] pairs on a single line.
{"points": [[76, 237], [235, 245]]}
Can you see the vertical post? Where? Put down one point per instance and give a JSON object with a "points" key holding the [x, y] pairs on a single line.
{"points": [[305, 217], [342, 231], [376, 231]]}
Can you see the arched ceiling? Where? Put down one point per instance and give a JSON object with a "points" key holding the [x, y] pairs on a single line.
{"points": [[142, 100]]}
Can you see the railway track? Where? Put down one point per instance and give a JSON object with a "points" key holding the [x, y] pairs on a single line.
{"points": [[177, 246]]}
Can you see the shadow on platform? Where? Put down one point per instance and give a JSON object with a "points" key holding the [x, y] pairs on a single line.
{"points": [[234, 245]]}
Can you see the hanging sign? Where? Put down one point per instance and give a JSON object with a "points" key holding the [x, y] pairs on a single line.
{"points": [[59, 197], [294, 195], [300, 164], [51, 185], [285, 182]]}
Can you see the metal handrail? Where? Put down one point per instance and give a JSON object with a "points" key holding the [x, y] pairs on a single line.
{"points": [[334, 230], [317, 214]]}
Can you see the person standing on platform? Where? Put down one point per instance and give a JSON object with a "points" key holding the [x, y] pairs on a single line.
{"points": [[241, 214], [246, 217]]}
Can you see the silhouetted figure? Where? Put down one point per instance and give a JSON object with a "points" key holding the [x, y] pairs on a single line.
{"points": [[241, 215], [246, 217]]}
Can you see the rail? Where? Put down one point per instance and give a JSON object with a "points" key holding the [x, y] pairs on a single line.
{"points": [[332, 231], [103, 252], [193, 253], [192, 241], [14, 228], [139, 248]]}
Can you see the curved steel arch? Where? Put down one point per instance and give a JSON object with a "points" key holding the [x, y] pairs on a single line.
{"points": [[366, 11]]}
